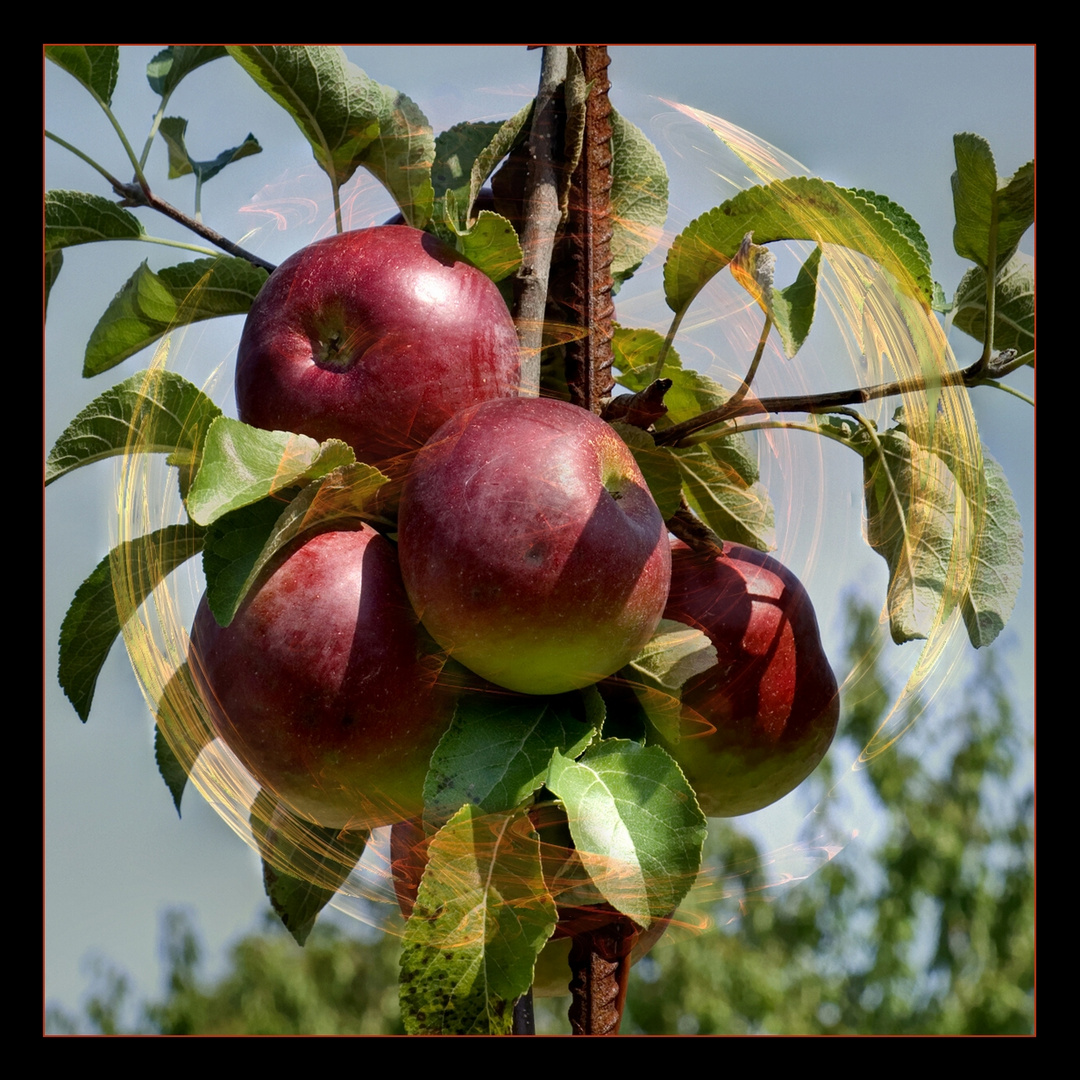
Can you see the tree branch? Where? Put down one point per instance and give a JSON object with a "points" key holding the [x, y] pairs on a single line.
{"points": [[815, 403], [136, 195], [542, 217]]}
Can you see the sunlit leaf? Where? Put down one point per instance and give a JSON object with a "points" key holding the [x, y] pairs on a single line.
{"points": [[152, 303], [992, 214], [152, 412], [481, 917], [349, 120], [635, 823], [639, 197], [242, 464], [495, 753], [802, 208]]}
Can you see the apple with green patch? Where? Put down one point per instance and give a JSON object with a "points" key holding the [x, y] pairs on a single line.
{"points": [[530, 546]]}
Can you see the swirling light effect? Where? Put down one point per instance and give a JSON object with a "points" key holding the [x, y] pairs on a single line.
{"points": [[878, 328]]}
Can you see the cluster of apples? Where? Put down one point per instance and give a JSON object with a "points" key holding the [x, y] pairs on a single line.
{"points": [[528, 548]]}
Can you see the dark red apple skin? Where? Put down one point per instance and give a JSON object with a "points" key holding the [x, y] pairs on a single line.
{"points": [[376, 337], [319, 684], [758, 723], [530, 546]]}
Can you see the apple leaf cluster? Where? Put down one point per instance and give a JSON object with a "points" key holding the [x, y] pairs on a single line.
{"points": [[606, 752]]}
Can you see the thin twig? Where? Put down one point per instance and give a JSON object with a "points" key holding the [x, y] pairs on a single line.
{"points": [[135, 195], [815, 403]]}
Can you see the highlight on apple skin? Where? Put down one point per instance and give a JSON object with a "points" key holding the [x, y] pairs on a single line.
{"points": [[530, 546], [756, 724], [319, 684], [375, 337]]}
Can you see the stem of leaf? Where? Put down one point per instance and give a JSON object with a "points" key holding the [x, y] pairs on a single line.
{"points": [[85, 157], [337, 204], [676, 322], [154, 129], [1008, 389], [745, 388], [180, 244]]}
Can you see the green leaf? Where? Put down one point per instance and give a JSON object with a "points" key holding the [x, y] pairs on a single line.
{"points": [[54, 261], [173, 130], [903, 221], [947, 525], [719, 477], [152, 412], [481, 917], [1014, 305], [181, 722], [241, 543], [998, 561], [95, 66], [243, 464], [170, 65], [109, 597], [791, 309], [909, 509], [639, 197], [231, 552], [635, 823], [992, 214], [75, 217], [501, 144], [491, 245], [802, 208], [172, 772], [675, 653], [793, 306], [987, 581], [303, 864], [733, 509], [456, 151], [658, 466], [495, 753], [635, 356], [349, 119], [151, 304]]}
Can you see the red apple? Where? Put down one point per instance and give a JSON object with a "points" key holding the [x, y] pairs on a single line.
{"points": [[756, 724], [376, 337], [319, 685], [530, 546]]}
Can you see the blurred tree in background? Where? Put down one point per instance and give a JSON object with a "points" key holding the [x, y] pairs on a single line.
{"points": [[929, 930]]}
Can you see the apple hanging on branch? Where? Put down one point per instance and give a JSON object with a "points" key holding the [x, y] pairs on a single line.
{"points": [[758, 721], [320, 684], [531, 547], [375, 337]]}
